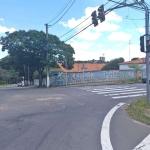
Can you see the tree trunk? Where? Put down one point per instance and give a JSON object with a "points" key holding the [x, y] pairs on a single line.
{"points": [[40, 78]]}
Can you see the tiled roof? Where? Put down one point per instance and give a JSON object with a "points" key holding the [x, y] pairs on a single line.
{"points": [[137, 61], [78, 67]]}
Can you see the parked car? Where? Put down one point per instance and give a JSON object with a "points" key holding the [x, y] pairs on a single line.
{"points": [[144, 79], [19, 84]]}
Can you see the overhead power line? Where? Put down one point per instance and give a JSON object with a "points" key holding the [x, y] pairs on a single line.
{"points": [[61, 10], [107, 11], [78, 32], [127, 18], [79, 24], [74, 27], [63, 14]]}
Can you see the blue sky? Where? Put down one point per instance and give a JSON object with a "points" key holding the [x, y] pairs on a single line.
{"points": [[110, 38]]}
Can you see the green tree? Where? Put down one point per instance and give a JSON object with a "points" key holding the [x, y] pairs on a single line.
{"points": [[135, 67], [29, 48], [7, 64], [113, 64], [4, 74], [100, 62]]}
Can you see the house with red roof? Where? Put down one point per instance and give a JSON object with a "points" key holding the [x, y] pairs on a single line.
{"points": [[125, 65], [78, 67]]}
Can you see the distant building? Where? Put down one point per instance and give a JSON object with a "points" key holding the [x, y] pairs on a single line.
{"points": [[102, 58], [80, 67], [125, 65]]}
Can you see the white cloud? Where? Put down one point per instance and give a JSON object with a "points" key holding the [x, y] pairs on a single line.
{"points": [[123, 52], [100, 45], [81, 46], [93, 33], [107, 27], [88, 51], [63, 24], [142, 30], [1, 19], [119, 36], [86, 48], [81, 49], [112, 16], [90, 35], [118, 45], [4, 29]]}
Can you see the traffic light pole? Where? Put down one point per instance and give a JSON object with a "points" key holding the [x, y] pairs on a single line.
{"points": [[147, 51], [47, 69], [147, 38]]}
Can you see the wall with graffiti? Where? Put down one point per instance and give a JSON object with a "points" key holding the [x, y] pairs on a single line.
{"points": [[91, 77], [94, 76]]}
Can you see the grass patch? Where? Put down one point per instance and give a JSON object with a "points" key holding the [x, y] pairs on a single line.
{"points": [[132, 80], [140, 111], [4, 85]]}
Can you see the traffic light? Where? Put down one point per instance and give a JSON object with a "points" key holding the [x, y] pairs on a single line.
{"points": [[142, 46], [94, 18], [101, 14]]}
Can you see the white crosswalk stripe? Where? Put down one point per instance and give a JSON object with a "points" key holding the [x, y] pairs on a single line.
{"points": [[116, 92]]}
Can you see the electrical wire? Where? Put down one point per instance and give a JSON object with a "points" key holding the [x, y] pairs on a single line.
{"points": [[106, 3], [139, 8], [79, 24], [61, 10], [75, 27], [126, 18], [78, 32], [63, 14], [136, 26], [76, 37], [110, 9]]}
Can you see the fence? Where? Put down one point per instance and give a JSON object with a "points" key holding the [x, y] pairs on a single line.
{"points": [[91, 77]]}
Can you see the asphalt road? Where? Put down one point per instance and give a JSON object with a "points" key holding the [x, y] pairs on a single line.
{"points": [[67, 118]]}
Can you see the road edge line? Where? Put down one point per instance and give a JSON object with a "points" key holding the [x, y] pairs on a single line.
{"points": [[105, 131]]}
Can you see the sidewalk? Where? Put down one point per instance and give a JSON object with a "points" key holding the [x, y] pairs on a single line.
{"points": [[95, 84]]}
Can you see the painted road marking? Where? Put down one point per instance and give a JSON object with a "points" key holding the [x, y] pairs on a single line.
{"points": [[107, 90], [125, 93], [144, 145], [116, 92], [105, 136], [118, 88], [119, 91], [117, 97]]}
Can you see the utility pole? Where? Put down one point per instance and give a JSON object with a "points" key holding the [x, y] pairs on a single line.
{"points": [[129, 48], [142, 3], [47, 69]]}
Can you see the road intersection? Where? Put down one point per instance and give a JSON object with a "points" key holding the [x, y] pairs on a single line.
{"points": [[77, 118]]}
